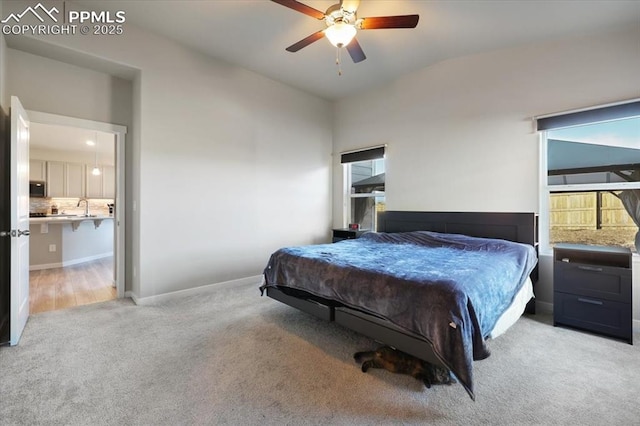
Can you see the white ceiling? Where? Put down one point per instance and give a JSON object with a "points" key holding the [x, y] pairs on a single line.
{"points": [[253, 34], [71, 139]]}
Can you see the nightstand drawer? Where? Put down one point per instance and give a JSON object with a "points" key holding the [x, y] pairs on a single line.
{"points": [[347, 234], [602, 282], [593, 314]]}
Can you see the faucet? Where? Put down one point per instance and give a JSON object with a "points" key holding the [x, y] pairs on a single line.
{"points": [[86, 206]]}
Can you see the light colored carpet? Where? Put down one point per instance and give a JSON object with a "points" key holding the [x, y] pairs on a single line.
{"points": [[230, 356]]}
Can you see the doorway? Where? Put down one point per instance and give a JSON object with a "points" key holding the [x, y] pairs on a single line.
{"points": [[86, 188], [71, 254]]}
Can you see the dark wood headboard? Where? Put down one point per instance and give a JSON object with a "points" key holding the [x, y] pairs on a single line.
{"points": [[518, 227]]}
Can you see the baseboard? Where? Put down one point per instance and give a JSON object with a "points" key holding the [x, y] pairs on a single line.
{"points": [[45, 266], [544, 307], [161, 298], [69, 262], [131, 295], [87, 259]]}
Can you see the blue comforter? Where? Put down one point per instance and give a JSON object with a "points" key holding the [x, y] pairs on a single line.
{"points": [[448, 288]]}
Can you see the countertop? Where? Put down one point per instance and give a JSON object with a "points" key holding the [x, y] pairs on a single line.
{"points": [[74, 220], [67, 218]]}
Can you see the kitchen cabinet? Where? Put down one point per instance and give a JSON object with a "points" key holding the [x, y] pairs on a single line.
{"points": [[75, 181], [65, 179], [37, 170], [102, 185], [109, 182], [94, 183], [55, 179]]}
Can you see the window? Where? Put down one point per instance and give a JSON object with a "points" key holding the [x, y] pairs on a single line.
{"points": [[590, 180], [364, 173]]}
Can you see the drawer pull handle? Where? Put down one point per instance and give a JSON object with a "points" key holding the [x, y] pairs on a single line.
{"points": [[590, 268], [593, 302]]}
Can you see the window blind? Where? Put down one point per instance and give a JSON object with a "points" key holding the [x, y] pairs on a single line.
{"points": [[612, 112], [363, 155]]}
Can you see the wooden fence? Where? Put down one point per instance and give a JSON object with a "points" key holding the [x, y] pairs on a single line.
{"points": [[588, 210]]}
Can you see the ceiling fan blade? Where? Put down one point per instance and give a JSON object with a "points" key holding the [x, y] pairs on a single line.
{"points": [[300, 7], [350, 6], [305, 41], [401, 21], [355, 51]]}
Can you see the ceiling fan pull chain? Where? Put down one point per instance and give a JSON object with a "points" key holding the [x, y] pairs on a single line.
{"points": [[338, 61]]}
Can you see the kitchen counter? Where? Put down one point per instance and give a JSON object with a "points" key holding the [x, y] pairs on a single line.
{"points": [[64, 240], [74, 220]]}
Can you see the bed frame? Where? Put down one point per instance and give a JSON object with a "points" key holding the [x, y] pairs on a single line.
{"points": [[518, 227]]}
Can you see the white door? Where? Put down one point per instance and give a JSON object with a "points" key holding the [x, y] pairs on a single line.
{"points": [[19, 182]]}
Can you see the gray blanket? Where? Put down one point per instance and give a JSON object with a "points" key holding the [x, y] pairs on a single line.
{"points": [[450, 289]]}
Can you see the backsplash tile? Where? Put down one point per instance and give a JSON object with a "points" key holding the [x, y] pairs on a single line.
{"points": [[97, 206]]}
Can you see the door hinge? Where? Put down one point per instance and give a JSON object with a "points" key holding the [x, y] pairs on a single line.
{"points": [[14, 233]]}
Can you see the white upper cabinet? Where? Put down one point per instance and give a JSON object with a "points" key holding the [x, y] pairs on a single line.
{"points": [[94, 183], [37, 170], [75, 180], [109, 181], [102, 185], [68, 179], [55, 179], [65, 179]]}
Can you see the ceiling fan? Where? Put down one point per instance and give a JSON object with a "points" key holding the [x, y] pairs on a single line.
{"points": [[343, 24]]}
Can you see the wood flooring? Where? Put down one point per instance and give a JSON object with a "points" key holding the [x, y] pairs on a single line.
{"points": [[82, 284]]}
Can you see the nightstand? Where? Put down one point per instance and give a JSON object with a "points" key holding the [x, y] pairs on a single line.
{"points": [[347, 234], [592, 289]]}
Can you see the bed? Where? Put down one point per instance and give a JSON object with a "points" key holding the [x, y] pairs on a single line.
{"points": [[419, 284]]}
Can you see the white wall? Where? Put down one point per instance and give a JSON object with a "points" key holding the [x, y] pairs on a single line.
{"points": [[55, 87], [51, 86], [4, 102], [229, 165], [459, 133]]}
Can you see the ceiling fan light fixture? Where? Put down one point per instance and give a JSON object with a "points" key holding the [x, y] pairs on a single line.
{"points": [[342, 24], [340, 34]]}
